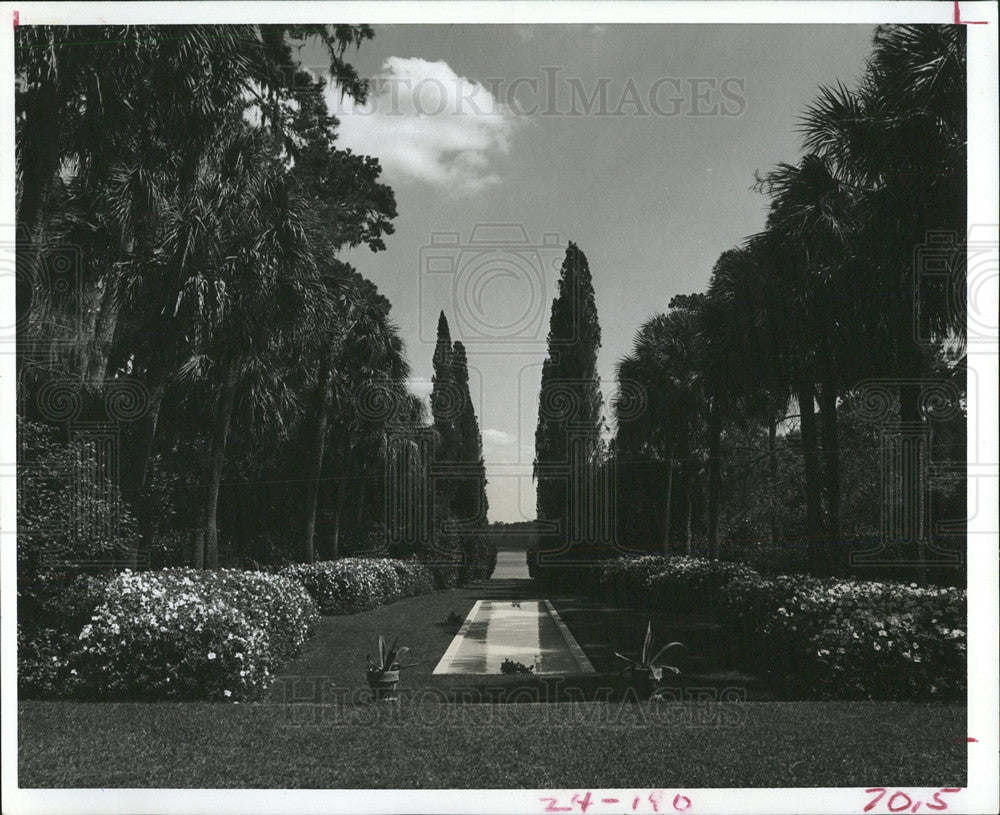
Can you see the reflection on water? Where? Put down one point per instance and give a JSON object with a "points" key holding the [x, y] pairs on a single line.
{"points": [[522, 631]]}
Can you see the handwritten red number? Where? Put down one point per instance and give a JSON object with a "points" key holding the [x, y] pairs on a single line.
{"points": [[583, 802], [656, 798], [551, 806], [678, 805], [942, 805], [907, 805], [876, 799], [635, 803]]}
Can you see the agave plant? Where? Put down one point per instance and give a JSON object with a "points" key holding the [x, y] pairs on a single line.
{"points": [[388, 659], [646, 663]]}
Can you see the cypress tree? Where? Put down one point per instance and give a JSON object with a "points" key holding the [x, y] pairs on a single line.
{"points": [[445, 409], [568, 434], [470, 498]]}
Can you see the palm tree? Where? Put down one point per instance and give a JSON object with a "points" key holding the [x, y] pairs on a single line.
{"points": [[897, 142], [664, 363], [366, 353], [746, 371], [257, 284], [899, 139], [813, 227]]}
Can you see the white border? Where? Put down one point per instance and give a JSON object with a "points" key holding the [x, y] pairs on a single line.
{"points": [[982, 793]]}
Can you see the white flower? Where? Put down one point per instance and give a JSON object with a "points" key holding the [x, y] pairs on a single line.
{"points": [[211, 654], [227, 693]]}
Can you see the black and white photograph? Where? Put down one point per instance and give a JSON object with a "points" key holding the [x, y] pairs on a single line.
{"points": [[502, 408]]}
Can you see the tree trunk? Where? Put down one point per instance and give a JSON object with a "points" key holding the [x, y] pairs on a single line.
{"points": [[772, 477], [41, 152], [207, 540], [688, 483], [714, 476], [670, 498], [323, 400], [911, 419], [338, 511], [102, 338], [831, 474], [134, 479], [813, 486], [134, 482], [362, 489]]}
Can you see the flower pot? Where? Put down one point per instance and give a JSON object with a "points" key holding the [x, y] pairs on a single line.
{"points": [[383, 684], [644, 683]]}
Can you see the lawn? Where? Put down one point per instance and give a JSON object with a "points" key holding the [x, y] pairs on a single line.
{"points": [[426, 745], [343, 742]]}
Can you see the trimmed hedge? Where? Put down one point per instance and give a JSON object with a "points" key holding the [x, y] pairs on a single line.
{"points": [[359, 584], [836, 638], [480, 559], [851, 639], [174, 634]]}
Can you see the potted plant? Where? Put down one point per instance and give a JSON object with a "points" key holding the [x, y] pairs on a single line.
{"points": [[644, 676], [383, 675]]}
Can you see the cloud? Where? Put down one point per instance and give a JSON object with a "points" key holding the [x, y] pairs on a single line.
{"points": [[426, 123], [498, 438]]}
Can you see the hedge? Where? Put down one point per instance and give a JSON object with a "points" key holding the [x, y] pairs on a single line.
{"points": [[851, 639], [358, 584], [835, 638], [173, 634]]}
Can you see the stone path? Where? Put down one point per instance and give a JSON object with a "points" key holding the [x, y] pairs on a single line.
{"points": [[511, 566]]}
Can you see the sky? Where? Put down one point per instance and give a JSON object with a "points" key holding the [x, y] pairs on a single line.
{"points": [[503, 143]]}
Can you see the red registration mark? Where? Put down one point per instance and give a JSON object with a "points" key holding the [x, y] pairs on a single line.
{"points": [[900, 801], [654, 803]]}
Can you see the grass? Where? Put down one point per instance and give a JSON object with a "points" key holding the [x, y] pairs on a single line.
{"points": [[66, 744]]}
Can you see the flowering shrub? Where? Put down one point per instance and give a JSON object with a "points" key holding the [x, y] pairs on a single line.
{"points": [[48, 629], [687, 584], [624, 580], [414, 577], [836, 638], [852, 639], [357, 584], [175, 634]]}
